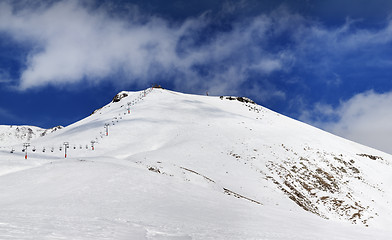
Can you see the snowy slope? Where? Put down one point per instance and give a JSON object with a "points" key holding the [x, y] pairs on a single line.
{"points": [[182, 166], [12, 135]]}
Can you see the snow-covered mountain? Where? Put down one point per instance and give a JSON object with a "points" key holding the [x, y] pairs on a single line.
{"points": [[180, 166], [11, 135]]}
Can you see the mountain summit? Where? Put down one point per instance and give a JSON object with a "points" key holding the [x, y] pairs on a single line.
{"points": [[158, 164]]}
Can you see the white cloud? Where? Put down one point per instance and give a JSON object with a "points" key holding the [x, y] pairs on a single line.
{"points": [[365, 118], [73, 43], [268, 65]]}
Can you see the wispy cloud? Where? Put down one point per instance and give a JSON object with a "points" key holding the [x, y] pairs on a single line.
{"points": [[73, 43], [365, 118]]}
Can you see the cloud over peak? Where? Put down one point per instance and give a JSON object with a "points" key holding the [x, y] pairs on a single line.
{"points": [[364, 118], [72, 43]]}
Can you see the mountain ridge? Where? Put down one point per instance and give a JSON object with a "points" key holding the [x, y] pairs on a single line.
{"points": [[13, 134]]}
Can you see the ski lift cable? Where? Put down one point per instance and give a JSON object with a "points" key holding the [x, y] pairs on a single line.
{"points": [[66, 144]]}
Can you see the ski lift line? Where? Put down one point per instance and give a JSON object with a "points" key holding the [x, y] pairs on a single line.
{"points": [[66, 144], [25, 146]]}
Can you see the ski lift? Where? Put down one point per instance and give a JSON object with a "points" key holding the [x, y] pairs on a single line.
{"points": [[106, 127], [66, 146]]}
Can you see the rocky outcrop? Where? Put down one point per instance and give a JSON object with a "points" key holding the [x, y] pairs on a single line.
{"points": [[119, 96], [50, 130], [240, 99]]}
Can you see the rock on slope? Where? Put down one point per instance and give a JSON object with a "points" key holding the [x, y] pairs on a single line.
{"points": [[178, 166]]}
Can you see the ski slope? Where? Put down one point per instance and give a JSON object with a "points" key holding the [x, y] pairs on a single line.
{"points": [[180, 166]]}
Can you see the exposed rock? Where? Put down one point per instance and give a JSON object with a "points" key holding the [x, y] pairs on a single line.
{"points": [[96, 110], [370, 156], [241, 99], [50, 130], [119, 96], [157, 86]]}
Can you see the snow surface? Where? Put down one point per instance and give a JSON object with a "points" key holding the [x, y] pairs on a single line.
{"points": [[182, 166], [14, 134], [10, 135]]}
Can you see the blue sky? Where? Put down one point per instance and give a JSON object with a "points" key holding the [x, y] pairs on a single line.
{"points": [[327, 63]]}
